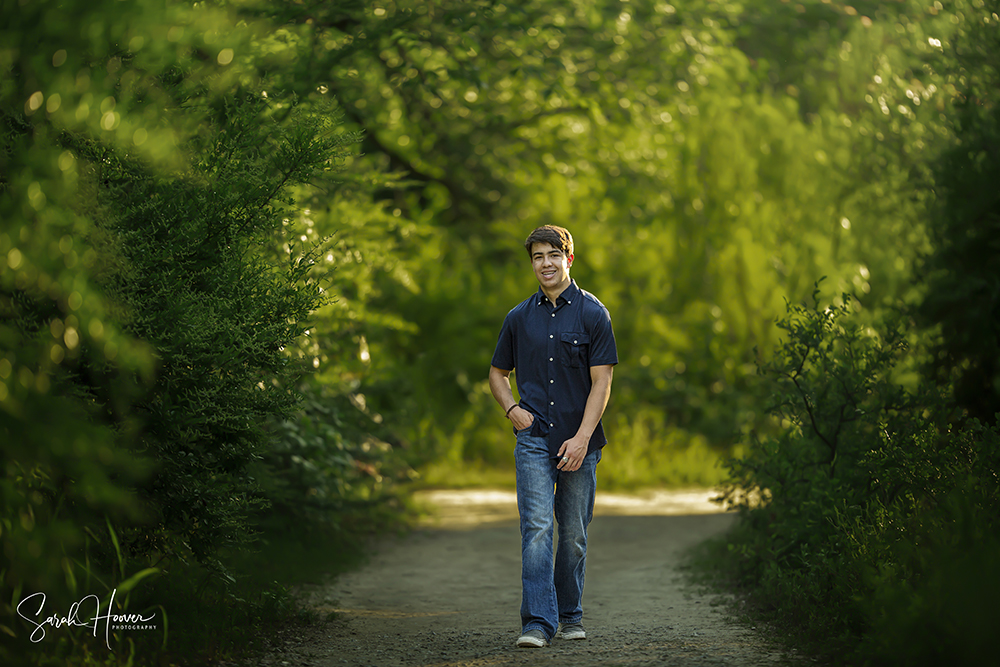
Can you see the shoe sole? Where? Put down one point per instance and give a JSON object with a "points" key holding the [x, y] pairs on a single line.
{"points": [[571, 633], [530, 642]]}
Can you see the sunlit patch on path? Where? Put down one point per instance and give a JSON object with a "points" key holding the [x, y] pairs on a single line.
{"points": [[466, 508]]}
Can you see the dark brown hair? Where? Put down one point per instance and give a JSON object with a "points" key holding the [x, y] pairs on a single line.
{"points": [[557, 237]]}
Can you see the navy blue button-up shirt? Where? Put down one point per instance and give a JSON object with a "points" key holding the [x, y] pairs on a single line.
{"points": [[551, 347]]}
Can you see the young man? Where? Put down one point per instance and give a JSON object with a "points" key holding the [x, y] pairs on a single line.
{"points": [[561, 344]]}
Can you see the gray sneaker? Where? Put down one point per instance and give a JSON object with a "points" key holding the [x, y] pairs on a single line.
{"points": [[532, 639], [571, 631]]}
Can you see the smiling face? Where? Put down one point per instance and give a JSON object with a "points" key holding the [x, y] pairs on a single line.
{"points": [[551, 267]]}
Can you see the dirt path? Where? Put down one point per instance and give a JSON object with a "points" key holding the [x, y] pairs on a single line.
{"points": [[448, 594]]}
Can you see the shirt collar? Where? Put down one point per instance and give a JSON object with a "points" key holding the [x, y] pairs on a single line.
{"points": [[568, 295]]}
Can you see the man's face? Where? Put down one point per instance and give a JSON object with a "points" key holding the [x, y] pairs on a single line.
{"points": [[551, 266]]}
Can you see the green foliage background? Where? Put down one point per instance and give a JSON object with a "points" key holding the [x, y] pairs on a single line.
{"points": [[705, 182], [254, 255]]}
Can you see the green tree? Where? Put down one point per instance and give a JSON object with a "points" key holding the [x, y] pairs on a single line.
{"points": [[708, 172], [152, 281], [200, 284], [962, 303], [871, 499]]}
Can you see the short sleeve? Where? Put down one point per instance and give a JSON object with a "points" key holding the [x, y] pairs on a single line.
{"points": [[503, 356], [603, 350]]}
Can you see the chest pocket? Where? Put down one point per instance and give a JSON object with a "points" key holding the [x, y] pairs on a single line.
{"points": [[575, 349]]}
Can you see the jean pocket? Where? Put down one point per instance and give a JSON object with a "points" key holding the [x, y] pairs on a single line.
{"points": [[525, 431], [575, 349]]}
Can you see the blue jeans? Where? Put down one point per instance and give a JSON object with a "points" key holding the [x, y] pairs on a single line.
{"points": [[552, 595]]}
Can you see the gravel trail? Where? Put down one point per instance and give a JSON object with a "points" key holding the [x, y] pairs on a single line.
{"points": [[448, 594]]}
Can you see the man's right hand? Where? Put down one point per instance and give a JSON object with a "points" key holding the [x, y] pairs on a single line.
{"points": [[521, 418]]}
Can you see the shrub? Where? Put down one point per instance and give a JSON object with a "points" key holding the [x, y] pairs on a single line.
{"points": [[198, 281], [144, 321], [854, 504], [329, 465]]}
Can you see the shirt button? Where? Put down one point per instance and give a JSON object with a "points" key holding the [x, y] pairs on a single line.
{"points": [[551, 381], [574, 342], [552, 402], [551, 424], [550, 358], [553, 314]]}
